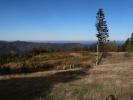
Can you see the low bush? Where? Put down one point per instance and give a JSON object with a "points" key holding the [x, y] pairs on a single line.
{"points": [[26, 68], [5, 70], [127, 54]]}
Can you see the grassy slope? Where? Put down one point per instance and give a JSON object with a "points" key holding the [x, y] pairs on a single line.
{"points": [[112, 78], [48, 61]]}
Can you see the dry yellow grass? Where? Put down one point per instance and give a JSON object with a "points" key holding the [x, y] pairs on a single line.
{"points": [[113, 77]]}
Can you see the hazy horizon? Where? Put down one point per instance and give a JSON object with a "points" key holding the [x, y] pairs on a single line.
{"points": [[59, 40]]}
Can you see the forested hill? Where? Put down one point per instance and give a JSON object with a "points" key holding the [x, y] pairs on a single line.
{"points": [[22, 46]]}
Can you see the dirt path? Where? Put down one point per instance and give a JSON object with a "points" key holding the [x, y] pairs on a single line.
{"points": [[103, 67], [36, 74]]}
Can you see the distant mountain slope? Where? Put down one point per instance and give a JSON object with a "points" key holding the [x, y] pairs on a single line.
{"points": [[15, 47], [21, 46]]}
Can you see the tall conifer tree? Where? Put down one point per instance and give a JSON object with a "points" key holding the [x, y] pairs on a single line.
{"points": [[102, 32]]}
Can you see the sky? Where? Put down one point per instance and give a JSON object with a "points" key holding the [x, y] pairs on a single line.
{"points": [[59, 20]]}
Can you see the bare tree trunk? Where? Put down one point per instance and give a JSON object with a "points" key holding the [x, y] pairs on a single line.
{"points": [[97, 59]]}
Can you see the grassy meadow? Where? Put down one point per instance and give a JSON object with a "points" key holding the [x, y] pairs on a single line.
{"points": [[80, 79]]}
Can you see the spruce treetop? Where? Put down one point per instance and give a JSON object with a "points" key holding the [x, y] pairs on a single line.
{"points": [[101, 27]]}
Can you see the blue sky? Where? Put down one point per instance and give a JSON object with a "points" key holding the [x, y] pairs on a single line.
{"points": [[63, 19]]}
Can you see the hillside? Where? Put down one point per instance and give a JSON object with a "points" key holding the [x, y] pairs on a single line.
{"points": [[22, 46], [111, 79], [17, 47]]}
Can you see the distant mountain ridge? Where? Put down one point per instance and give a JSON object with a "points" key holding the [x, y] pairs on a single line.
{"points": [[22, 46], [81, 42]]}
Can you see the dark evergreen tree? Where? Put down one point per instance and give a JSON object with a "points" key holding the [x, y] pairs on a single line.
{"points": [[128, 45], [101, 27], [102, 34], [132, 38]]}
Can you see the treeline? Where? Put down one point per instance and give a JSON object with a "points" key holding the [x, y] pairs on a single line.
{"points": [[113, 46], [128, 45], [18, 57], [109, 47], [21, 57]]}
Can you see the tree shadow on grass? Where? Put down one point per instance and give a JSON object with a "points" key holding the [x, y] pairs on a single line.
{"points": [[35, 87]]}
